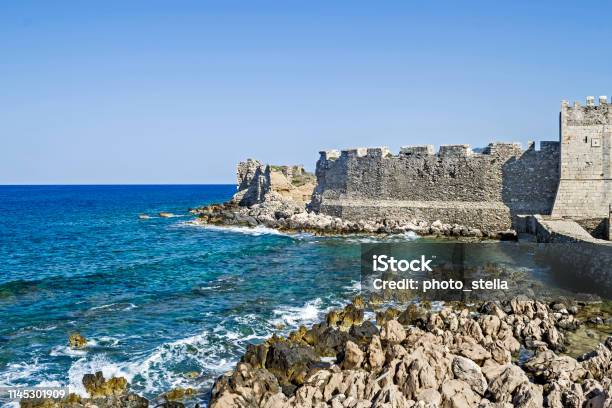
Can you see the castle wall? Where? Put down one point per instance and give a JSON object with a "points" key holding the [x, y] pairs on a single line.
{"points": [[585, 188], [483, 190]]}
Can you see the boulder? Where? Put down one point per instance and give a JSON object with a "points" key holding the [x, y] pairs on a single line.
{"points": [[469, 372]]}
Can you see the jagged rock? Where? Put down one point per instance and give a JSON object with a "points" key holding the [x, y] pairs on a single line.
{"points": [[353, 356], [376, 355], [393, 332], [470, 373], [179, 393], [458, 394], [474, 352], [528, 395], [598, 362], [246, 386], [77, 341], [364, 332], [547, 366], [503, 386], [97, 386], [452, 359], [290, 362]]}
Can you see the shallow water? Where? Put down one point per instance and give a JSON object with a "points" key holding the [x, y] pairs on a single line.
{"points": [[160, 300]]}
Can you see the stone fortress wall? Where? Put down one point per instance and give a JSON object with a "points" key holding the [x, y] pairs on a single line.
{"points": [[585, 188], [485, 189]]}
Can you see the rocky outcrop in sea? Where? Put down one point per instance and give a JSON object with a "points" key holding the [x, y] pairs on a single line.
{"points": [[286, 215]]}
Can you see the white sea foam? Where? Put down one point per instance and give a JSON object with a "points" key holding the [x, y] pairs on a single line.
{"points": [[256, 231], [311, 312], [67, 351], [99, 362], [115, 307], [355, 286]]}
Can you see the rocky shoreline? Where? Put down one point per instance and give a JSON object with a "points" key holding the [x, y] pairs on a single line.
{"points": [[288, 216], [491, 355], [514, 353]]}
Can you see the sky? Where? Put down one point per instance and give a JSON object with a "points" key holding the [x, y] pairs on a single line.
{"points": [[155, 92]]}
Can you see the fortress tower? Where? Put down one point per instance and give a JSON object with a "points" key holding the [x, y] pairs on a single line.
{"points": [[585, 185]]}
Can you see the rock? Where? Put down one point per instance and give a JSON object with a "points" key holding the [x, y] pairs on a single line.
{"points": [[598, 362], [246, 386], [469, 372], [77, 341], [430, 396], [164, 214], [179, 393], [376, 355], [503, 386], [290, 362], [474, 352], [547, 366], [393, 332], [528, 395], [457, 394], [97, 386], [364, 332], [353, 356]]}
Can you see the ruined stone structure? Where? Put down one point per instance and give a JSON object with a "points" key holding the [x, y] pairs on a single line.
{"points": [[256, 181], [488, 189], [585, 188]]}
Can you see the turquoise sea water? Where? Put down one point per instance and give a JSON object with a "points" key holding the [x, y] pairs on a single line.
{"points": [[158, 299], [162, 302]]}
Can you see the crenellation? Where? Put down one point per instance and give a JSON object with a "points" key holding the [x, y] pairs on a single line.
{"points": [[459, 150], [355, 152], [421, 150], [330, 154], [590, 101], [378, 152]]}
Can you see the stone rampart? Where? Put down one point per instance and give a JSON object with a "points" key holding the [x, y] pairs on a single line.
{"points": [[457, 185]]}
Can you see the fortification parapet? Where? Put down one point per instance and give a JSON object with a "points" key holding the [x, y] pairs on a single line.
{"points": [[588, 115], [549, 147], [503, 149], [417, 150], [460, 150], [330, 154], [382, 151], [356, 152]]}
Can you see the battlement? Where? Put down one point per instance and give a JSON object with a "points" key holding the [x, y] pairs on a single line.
{"points": [[417, 150], [587, 115], [447, 151]]}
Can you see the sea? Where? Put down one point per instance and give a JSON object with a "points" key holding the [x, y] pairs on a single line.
{"points": [[163, 302]]}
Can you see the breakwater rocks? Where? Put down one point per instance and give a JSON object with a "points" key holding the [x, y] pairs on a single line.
{"points": [[286, 215], [498, 355]]}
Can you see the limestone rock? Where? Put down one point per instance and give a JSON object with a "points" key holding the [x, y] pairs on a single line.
{"points": [[393, 332], [470, 373], [353, 356]]}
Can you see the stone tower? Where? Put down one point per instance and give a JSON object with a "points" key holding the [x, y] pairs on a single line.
{"points": [[585, 186]]}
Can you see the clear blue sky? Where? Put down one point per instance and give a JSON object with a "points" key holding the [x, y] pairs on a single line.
{"points": [[179, 91]]}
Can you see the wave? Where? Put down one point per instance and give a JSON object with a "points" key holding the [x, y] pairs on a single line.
{"points": [[255, 231], [311, 312], [115, 307]]}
